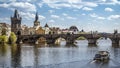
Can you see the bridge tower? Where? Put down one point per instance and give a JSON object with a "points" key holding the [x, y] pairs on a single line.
{"points": [[16, 22]]}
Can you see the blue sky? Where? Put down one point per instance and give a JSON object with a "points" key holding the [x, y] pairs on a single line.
{"points": [[100, 15]]}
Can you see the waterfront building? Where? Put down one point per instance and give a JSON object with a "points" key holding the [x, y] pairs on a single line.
{"points": [[40, 30], [31, 31], [73, 30], [25, 30], [16, 22], [54, 30], [5, 29], [64, 31], [47, 29]]}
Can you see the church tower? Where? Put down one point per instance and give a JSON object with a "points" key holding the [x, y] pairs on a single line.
{"points": [[16, 22], [36, 22]]}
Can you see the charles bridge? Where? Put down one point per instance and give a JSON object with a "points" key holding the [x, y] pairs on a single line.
{"points": [[70, 38]]}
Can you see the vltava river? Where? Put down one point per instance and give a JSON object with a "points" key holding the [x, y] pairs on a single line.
{"points": [[79, 56]]}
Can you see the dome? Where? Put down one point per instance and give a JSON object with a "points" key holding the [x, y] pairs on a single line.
{"points": [[73, 28]]}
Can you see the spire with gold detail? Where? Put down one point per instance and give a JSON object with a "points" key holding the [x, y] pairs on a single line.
{"points": [[36, 22], [36, 17]]}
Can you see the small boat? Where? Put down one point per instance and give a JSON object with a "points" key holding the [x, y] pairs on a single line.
{"points": [[102, 56]]}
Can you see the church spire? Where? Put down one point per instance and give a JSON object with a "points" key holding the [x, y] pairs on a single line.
{"points": [[36, 17], [16, 13], [46, 25], [36, 22]]}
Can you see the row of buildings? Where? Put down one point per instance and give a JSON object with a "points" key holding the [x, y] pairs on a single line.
{"points": [[35, 29]]}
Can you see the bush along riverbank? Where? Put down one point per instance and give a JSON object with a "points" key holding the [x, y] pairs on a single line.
{"points": [[10, 40]]}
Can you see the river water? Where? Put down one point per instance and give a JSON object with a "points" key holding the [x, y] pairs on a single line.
{"points": [[79, 56]]}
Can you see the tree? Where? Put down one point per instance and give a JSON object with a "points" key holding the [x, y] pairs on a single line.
{"points": [[12, 38], [3, 39]]}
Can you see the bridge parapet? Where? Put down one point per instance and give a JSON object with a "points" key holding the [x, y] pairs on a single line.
{"points": [[70, 38]]}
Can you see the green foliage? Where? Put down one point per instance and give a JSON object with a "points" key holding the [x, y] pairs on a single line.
{"points": [[3, 39], [12, 38]]}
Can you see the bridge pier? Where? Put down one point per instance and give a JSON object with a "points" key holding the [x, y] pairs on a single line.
{"points": [[92, 42], [115, 43], [69, 40], [18, 40], [50, 41]]}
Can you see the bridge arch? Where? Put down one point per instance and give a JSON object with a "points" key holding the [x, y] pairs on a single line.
{"points": [[41, 40], [81, 40], [104, 41], [59, 40]]}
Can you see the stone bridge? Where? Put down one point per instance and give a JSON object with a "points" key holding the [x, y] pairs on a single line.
{"points": [[70, 38]]}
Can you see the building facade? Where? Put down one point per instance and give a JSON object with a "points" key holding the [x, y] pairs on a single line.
{"points": [[40, 30], [5, 29], [47, 29]]}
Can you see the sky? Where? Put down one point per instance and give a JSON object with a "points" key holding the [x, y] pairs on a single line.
{"points": [[90, 15]]}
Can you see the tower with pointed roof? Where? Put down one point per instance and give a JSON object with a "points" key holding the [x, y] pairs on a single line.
{"points": [[46, 25], [36, 22], [16, 22], [47, 29]]}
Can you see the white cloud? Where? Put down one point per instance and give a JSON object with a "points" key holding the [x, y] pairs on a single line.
{"points": [[17, 0], [51, 11], [69, 17], [103, 0], [51, 21], [74, 1], [30, 16], [109, 2], [5, 20], [41, 17], [90, 4], [87, 9], [83, 14], [93, 15], [97, 17], [78, 4], [101, 18], [4, 5], [7, 1], [40, 4], [64, 14], [54, 16], [26, 6], [58, 6], [109, 9], [111, 17]]}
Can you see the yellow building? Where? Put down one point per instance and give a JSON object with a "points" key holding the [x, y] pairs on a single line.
{"points": [[40, 31]]}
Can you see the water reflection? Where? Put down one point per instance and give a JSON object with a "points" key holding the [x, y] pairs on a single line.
{"points": [[3, 49], [5, 56], [36, 54], [15, 55], [79, 56]]}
